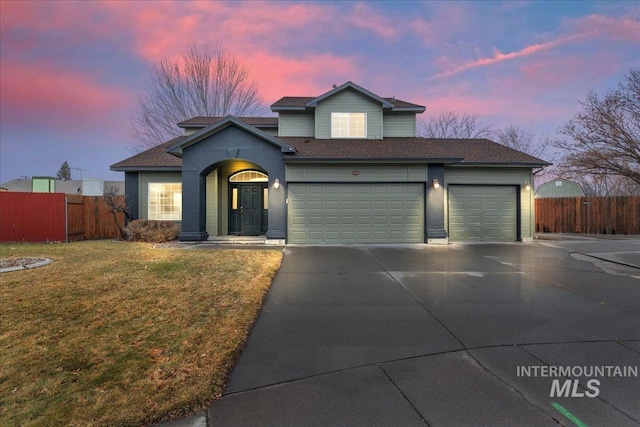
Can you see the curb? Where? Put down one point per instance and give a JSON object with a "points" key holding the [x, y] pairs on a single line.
{"points": [[46, 261]]}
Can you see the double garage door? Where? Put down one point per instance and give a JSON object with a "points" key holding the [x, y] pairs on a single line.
{"points": [[356, 213], [483, 213]]}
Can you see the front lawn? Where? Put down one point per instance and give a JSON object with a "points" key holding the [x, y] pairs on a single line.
{"points": [[116, 333]]}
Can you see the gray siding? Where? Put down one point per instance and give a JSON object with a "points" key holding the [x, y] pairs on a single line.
{"points": [[399, 124], [356, 173], [144, 179], [348, 101], [498, 176], [296, 123]]}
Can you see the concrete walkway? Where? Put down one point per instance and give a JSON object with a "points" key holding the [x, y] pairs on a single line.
{"points": [[439, 335]]}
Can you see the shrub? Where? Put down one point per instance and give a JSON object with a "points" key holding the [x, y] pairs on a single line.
{"points": [[144, 230]]}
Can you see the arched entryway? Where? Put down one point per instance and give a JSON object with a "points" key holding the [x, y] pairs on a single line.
{"points": [[248, 203]]}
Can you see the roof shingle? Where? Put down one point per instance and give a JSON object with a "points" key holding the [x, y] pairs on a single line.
{"points": [[156, 157], [471, 151], [480, 151]]}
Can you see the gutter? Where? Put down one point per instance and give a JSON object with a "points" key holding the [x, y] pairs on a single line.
{"points": [[419, 160]]}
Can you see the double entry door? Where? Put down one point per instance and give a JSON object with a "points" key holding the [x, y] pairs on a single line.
{"points": [[248, 209]]}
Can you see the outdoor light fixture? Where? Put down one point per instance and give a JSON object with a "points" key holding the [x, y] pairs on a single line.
{"points": [[276, 183], [526, 186], [436, 183]]}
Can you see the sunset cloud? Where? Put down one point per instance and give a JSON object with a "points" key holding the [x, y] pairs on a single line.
{"points": [[71, 67], [500, 57], [50, 97], [590, 27]]}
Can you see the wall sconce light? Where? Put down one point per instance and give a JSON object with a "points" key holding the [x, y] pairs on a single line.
{"points": [[526, 186], [276, 183], [435, 183]]}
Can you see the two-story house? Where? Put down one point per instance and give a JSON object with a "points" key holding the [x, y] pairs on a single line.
{"points": [[342, 167]]}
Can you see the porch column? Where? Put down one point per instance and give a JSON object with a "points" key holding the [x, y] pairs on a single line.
{"points": [[436, 232], [194, 220], [277, 204]]}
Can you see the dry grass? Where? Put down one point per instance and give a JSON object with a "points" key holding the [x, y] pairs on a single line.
{"points": [[116, 333]]}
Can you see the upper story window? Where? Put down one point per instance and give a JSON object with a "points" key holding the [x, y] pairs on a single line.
{"points": [[348, 125]]}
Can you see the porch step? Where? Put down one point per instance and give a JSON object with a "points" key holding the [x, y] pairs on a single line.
{"points": [[237, 240]]}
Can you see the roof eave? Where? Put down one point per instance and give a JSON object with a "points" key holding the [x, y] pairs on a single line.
{"points": [[506, 164], [410, 109], [145, 168], [421, 160], [288, 108]]}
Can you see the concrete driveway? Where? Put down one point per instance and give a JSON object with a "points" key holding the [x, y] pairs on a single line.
{"points": [[443, 335]]}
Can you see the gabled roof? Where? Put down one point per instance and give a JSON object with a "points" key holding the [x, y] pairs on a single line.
{"points": [[301, 103], [177, 147], [350, 85], [259, 122]]}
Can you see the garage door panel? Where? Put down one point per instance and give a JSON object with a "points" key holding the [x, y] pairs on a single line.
{"points": [[331, 205], [356, 213], [482, 213]]}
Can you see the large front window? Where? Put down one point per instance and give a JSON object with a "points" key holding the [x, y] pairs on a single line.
{"points": [[165, 201], [348, 125]]}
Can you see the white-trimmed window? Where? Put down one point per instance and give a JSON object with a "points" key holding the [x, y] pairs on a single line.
{"points": [[165, 201], [348, 125]]}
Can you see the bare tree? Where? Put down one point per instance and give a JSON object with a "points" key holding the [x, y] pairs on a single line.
{"points": [[117, 204], [525, 140], [454, 124], [604, 139], [205, 81]]}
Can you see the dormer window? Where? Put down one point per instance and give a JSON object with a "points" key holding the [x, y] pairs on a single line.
{"points": [[348, 125]]}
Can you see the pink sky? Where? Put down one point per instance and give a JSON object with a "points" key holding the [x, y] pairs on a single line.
{"points": [[71, 72]]}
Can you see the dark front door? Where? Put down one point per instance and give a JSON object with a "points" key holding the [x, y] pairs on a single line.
{"points": [[246, 209]]}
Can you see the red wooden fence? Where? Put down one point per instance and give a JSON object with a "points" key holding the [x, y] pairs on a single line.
{"points": [[55, 217], [589, 215], [89, 219], [32, 217]]}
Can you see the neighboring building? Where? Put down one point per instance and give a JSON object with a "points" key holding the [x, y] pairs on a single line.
{"points": [[342, 167], [559, 188], [85, 187]]}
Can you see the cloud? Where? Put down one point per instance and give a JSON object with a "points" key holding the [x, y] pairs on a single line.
{"points": [[608, 28], [45, 96], [445, 19], [500, 57], [309, 75], [590, 27], [362, 16]]}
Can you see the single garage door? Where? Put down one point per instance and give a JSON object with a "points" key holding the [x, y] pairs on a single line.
{"points": [[482, 213], [356, 213]]}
